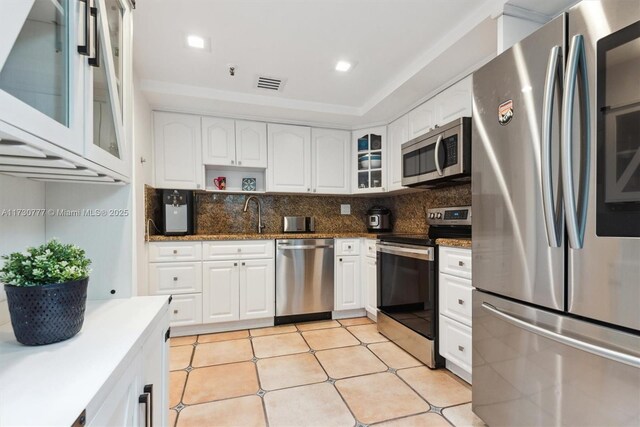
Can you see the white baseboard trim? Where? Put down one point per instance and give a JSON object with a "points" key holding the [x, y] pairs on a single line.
{"points": [[373, 315], [466, 376], [345, 314], [211, 328]]}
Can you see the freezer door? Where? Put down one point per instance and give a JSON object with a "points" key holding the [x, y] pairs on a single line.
{"points": [[517, 239], [604, 242], [530, 368]]}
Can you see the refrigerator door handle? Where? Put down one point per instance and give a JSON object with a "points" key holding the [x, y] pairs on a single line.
{"points": [[576, 215], [595, 349], [552, 221]]}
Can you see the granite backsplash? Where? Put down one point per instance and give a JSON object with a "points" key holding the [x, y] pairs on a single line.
{"points": [[222, 213]]}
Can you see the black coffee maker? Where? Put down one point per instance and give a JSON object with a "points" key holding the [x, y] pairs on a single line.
{"points": [[177, 212]]}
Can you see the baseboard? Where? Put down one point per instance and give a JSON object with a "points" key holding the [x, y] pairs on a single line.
{"points": [[373, 315], [346, 314], [212, 328], [466, 376]]}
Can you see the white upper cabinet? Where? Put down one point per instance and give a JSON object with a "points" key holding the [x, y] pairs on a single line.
{"points": [[61, 83], [422, 119], [218, 141], [178, 151], [228, 142], [369, 160], [251, 144], [454, 102], [289, 167], [398, 134], [330, 153]]}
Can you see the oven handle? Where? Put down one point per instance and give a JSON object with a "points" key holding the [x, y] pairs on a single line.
{"points": [[435, 153], [422, 253]]}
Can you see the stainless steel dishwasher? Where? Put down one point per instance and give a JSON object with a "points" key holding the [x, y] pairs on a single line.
{"points": [[304, 280]]}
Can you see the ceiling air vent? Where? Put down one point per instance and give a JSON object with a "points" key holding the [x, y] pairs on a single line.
{"points": [[269, 83]]}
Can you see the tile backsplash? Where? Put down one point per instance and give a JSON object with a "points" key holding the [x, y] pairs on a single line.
{"points": [[218, 213]]}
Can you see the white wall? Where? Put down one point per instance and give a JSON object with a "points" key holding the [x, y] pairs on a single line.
{"points": [[19, 232], [106, 239], [142, 174]]}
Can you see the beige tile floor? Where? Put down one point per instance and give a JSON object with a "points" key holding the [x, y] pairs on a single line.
{"points": [[327, 373]]}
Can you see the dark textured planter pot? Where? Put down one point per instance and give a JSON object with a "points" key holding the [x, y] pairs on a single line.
{"points": [[49, 313]]}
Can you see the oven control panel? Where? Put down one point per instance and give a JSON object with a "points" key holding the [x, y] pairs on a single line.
{"points": [[449, 216]]}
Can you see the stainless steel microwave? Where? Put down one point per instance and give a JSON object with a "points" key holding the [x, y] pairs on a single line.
{"points": [[440, 157]]}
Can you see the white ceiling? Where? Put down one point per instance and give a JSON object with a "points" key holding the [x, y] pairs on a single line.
{"points": [[403, 51]]}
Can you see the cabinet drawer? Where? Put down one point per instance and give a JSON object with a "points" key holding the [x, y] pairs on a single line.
{"points": [[455, 261], [186, 309], [455, 342], [370, 247], [175, 278], [347, 246], [238, 249], [455, 298], [175, 251]]}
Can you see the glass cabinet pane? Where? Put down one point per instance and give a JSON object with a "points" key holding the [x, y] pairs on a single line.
{"points": [[37, 68], [115, 12], [104, 127]]}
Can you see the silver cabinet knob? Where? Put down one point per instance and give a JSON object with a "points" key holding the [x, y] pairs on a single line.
{"points": [[239, 162], [239, 249], [383, 189], [235, 264], [175, 311], [460, 348], [175, 252], [461, 263], [197, 185], [243, 263], [175, 279], [308, 189], [340, 259], [349, 247], [232, 162], [315, 190], [460, 301]]}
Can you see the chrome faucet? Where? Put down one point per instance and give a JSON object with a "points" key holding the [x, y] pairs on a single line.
{"points": [[246, 205]]}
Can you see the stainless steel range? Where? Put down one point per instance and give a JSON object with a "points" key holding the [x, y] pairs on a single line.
{"points": [[407, 283]]}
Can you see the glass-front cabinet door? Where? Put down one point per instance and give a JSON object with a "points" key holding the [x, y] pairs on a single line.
{"points": [[106, 130], [370, 160], [618, 136], [39, 68]]}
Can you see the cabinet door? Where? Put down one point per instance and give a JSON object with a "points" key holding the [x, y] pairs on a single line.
{"points": [[186, 309], [251, 144], [108, 88], [370, 160], [289, 169], [41, 71], [370, 283], [454, 102], [155, 371], [257, 289], [422, 119], [218, 141], [178, 151], [348, 287], [220, 291], [330, 151], [397, 134], [121, 407]]}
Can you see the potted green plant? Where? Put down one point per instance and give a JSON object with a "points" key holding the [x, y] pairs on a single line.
{"points": [[46, 290]]}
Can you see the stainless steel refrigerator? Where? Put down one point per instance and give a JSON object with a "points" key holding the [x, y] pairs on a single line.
{"points": [[556, 225]]}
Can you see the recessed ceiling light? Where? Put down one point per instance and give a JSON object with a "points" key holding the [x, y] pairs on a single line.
{"points": [[343, 66], [195, 41]]}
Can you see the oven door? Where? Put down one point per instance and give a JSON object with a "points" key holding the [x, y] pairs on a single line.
{"points": [[406, 286]]}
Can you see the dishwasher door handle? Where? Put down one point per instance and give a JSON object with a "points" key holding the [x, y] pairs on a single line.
{"points": [[291, 247]]}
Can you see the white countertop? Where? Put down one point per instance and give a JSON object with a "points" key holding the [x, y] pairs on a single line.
{"points": [[52, 384]]}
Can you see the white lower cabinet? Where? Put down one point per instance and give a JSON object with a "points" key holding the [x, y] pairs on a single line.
{"points": [[454, 301], [238, 290], [348, 295], [120, 407], [220, 291], [186, 309]]}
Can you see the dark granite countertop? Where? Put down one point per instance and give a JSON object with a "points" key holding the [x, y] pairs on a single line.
{"points": [[256, 236], [456, 243]]}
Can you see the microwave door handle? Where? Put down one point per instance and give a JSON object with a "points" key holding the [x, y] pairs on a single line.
{"points": [[576, 215], [435, 153], [552, 223]]}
